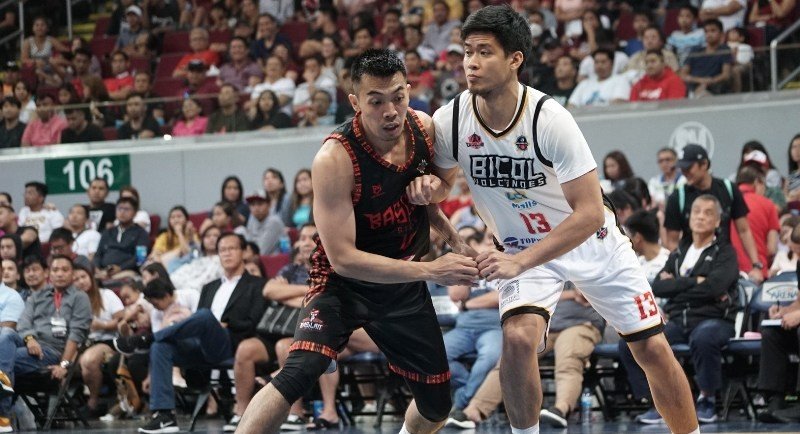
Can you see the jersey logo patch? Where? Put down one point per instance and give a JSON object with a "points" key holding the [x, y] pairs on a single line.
{"points": [[474, 141], [311, 322], [522, 143], [423, 164], [377, 190], [602, 233], [500, 171]]}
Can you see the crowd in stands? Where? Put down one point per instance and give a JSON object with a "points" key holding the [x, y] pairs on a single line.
{"points": [[190, 67]]}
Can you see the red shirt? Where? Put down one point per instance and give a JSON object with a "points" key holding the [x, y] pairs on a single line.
{"points": [[763, 218], [119, 82], [208, 57], [667, 86]]}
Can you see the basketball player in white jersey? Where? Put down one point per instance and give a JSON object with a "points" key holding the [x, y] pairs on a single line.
{"points": [[534, 182]]}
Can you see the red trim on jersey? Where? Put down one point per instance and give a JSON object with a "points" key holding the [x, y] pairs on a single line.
{"points": [[314, 347], [428, 140], [421, 378], [321, 270], [375, 156], [356, 195]]}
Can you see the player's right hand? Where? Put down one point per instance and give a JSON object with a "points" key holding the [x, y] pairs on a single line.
{"points": [[420, 190], [452, 269]]}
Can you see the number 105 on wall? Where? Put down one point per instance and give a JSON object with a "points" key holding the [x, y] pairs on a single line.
{"points": [[74, 175]]}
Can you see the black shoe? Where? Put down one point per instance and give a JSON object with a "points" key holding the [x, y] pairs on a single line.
{"points": [[130, 345], [162, 422], [554, 417], [459, 420]]}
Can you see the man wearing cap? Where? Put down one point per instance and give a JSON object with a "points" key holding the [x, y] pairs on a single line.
{"points": [[127, 35], [197, 85], [695, 166], [11, 128], [763, 215], [262, 228], [199, 43]]}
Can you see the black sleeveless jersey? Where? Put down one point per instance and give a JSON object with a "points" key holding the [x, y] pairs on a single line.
{"points": [[387, 224]]}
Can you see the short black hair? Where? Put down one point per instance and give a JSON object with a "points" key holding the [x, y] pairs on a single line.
{"points": [[83, 111], [749, 173], [241, 39], [690, 8], [121, 53], [130, 201], [642, 12], [242, 241], [40, 187], [12, 100], [62, 234], [644, 223], [83, 51], [657, 29], [31, 260], [253, 247], [511, 30], [134, 95], [637, 187], [158, 289], [655, 52], [667, 149], [103, 180], [8, 196], [623, 200], [713, 22], [377, 62], [605, 51], [54, 258]]}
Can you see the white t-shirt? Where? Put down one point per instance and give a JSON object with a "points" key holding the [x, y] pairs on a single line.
{"points": [[515, 184], [655, 265], [111, 305], [591, 92], [586, 67], [324, 82], [223, 295], [689, 261], [43, 220], [86, 242], [728, 21], [282, 87]]}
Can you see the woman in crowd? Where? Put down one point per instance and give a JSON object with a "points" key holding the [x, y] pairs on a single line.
{"points": [[266, 113], [793, 186], [333, 62], [11, 248], [275, 80], [786, 260], [204, 267], [25, 96], [66, 95], [40, 46], [275, 187], [95, 94], [302, 199], [106, 313], [177, 241], [192, 122], [616, 169], [10, 277]]}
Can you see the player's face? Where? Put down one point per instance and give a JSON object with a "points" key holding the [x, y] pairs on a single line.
{"points": [[383, 103], [704, 218], [486, 65]]}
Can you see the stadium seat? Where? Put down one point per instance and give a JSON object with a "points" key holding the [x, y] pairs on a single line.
{"points": [[101, 26], [273, 263], [296, 31], [155, 226], [167, 87], [139, 64], [220, 36], [166, 65], [102, 46], [625, 27], [110, 133], [670, 22], [198, 218], [293, 234], [177, 42], [756, 36]]}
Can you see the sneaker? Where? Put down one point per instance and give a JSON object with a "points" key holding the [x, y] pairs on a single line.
{"points": [[554, 417], [231, 426], [705, 410], [457, 419], [162, 422], [5, 423], [650, 417], [294, 423], [130, 345], [5, 385]]}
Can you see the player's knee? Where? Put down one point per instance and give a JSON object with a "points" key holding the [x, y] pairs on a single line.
{"points": [[435, 403], [300, 373], [519, 332], [651, 351]]}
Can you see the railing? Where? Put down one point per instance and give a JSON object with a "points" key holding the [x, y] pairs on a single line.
{"points": [[21, 21], [773, 58]]}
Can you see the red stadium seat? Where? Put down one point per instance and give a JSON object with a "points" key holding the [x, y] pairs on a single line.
{"points": [[110, 133], [176, 42], [139, 64], [102, 46], [756, 37], [293, 234], [273, 263], [296, 31], [625, 27], [167, 87], [45, 250], [670, 22], [167, 63], [217, 36], [101, 27], [155, 226], [198, 218]]}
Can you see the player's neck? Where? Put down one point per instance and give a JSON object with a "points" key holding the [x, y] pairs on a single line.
{"points": [[384, 147], [497, 108]]}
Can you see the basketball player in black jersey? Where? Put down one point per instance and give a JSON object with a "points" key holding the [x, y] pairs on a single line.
{"points": [[366, 270]]}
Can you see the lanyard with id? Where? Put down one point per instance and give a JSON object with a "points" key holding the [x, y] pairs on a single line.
{"points": [[58, 325]]}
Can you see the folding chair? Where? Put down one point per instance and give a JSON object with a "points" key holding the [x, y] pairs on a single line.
{"points": [[221, 375]]}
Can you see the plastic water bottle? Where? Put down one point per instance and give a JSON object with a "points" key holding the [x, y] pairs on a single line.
{"points": [[586, 406], [285, 244], [141, 255]]}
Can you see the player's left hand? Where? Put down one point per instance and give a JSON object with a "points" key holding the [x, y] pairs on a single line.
{"points": [[498, 265], [420, 190]]}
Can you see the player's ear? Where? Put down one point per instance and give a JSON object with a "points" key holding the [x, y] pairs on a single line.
{"points": [[516, 60], [353, 102]]}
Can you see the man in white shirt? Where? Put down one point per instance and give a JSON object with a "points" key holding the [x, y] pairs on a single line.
{"points": [[228, 312], [661, 186], [729, 12], [607, 88], [86, 238], [642, 228], [35, 214], [315, 79]]}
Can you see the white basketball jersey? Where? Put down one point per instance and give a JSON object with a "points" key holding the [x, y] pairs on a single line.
{"points": [[515, 175]]}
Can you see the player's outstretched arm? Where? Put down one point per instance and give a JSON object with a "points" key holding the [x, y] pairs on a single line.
{"points": [[441, 224], [332, 178]]}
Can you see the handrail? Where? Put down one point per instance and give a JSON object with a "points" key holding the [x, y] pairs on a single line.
{"points": [[773, 52]]}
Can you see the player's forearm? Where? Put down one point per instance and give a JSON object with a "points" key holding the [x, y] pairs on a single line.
{"points": [[378, 269], [568, 235], [442, 225], [486, 301], [283, 291], [440, 189]]}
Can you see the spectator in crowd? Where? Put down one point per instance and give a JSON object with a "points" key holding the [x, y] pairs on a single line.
{"points": [[477, 330], [10, 277], [142, 84], [225, 218], [282, 11], [199, 43], [101, 213], [40, 46], [139, 124], [78, 43], [421, 80], [274, 80], [325, 23], [177, 241], [762, 218], [687, 36], [275, 187], [35, 214], [695, 166], [708, 69], [46, 128], [240, 70], [595, 35], [217, 20], [35, 273], [202, 269], [754, 152], [363, 39], [61, 242], [563, 83], [793, 184], [228, 118], [642, 19], [625, 204], [413, 39], [67, 95], [228, 312], [661, 186], [616, 169], [11, 128], [117, 19], [107, 310], [199, 88], [314, 80], [117, 249], [86, 238], [730, 13], [22, 92], [332, 61], [652, 40], [5, 198], [774, 16], [11, 248], [263, 227], [742, 55], [660, 82], [267, 37], [26, 234], [11, 76], [437, 34], [643, 229], [121, 82], [192, 122], [142, 217], [266, 113], [302, 200], [79, 70], [79, 130], [699, 282], [232, 193], [162, 16], [95, 94], [786, 261], [318, 113], [134, 28], [391, 33], [606, 89]]}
